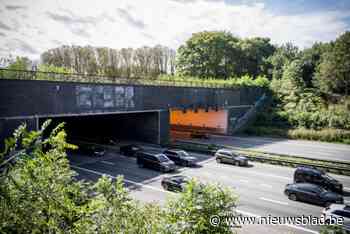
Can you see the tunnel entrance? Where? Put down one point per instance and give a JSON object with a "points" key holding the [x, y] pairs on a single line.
{"points": [[102, 128], [185, 123]]}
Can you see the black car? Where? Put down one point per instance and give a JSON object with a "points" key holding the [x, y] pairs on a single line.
{"points": [[314, 176], [130, 150], [180, 157], [227, 156], [175, 183], [91, 150], [312, 193], [155, 160]]}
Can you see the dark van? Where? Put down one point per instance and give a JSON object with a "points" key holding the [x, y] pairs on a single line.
{"points": [[157, 161], [315, 176]]}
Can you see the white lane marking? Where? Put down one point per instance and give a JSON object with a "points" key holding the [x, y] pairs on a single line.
{"points": [[244, 181], [270, 175], [129, 181], [266, 185], [274, 201], [288, 225], [164, 191], [341, 177], [107, 162]]}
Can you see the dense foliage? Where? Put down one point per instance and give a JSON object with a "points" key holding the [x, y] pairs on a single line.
{"points": [[221, 55], [244, 81], [310, 90], [125, 62], [39, 194]]}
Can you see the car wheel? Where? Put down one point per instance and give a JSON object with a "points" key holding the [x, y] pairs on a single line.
{"points": [[292, 197], [218, 160], [326, 204], [237, 163], [165, 186]]}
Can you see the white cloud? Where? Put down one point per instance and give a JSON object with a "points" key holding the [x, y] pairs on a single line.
{"points": [[31, 27]]}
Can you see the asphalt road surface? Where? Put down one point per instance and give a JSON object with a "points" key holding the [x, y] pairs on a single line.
{"points": [[311, 149], [260, 186]]}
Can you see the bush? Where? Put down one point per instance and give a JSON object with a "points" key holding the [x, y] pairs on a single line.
{"points": [[39, 194], [246, 80], [328, 135], [191, 211]]}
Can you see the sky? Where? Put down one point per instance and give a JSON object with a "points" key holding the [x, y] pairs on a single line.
{"points": [[29, 27]]}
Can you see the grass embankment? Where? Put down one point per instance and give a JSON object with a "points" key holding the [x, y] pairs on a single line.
{"points": [[327, 135]]}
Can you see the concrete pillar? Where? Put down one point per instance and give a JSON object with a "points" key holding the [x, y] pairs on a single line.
{"points": [[163, 126]]}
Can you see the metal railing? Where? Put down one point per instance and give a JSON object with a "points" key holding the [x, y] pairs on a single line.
{"points": [[95, 78]]}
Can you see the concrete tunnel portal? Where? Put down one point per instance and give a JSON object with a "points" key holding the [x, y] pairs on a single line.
{"points": [[146, 126]]}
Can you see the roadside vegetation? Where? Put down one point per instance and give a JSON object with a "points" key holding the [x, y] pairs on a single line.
{"points": [[336, 167], [39, 194], [309, 88]]}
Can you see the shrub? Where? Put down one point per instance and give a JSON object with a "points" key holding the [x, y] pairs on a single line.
{"points": [[39, 194]]}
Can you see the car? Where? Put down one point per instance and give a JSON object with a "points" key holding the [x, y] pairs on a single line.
{"points": [[312, 193], [130, 150], [91, 150], [175, 183], [227, 156], [199, 135], [155, 160], [338, 211], [315, 176], [180, 157]]}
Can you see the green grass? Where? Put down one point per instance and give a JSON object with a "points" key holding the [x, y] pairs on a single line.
{"points": [[327, 135]]}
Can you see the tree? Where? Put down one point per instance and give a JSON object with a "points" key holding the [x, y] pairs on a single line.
{"points": [[39, 194], [333, 73], [256, 51], [197, 204], [209, 54], [283, 55], [311, 58], [21, 63]]}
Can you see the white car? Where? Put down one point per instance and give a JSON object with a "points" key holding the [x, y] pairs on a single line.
{"points": [[338, 211]]}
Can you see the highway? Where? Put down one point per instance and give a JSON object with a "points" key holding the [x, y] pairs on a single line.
{"points": [[260, 186], [311, 149]]}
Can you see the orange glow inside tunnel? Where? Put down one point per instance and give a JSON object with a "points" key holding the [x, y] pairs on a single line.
{"points": [[201, 118]]}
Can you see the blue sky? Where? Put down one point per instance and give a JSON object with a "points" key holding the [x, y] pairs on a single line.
{"points": [[29, 27]]}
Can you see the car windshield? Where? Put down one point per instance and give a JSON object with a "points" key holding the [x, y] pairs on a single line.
{"points": [[183, 180], [327, 177], [162, 158], [183, 153], [320, 190]]}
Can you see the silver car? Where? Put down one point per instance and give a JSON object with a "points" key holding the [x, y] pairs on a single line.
{"points": [[227, 156], [338, 211]]}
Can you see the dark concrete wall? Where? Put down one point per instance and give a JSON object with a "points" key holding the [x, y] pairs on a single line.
{"points": [[164, 123], [8, 126], [21, 98], [28, 101], [234, 114]]}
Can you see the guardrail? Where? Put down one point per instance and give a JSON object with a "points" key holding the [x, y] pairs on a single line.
{"points": [[95, 78], [337, 167]]}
